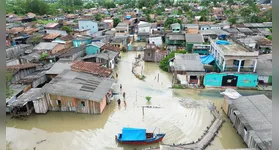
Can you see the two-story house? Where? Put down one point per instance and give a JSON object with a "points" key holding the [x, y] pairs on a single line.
{"points": [[235, 63], [88, 25], [144, 30], [176, 28], [122, 29]]}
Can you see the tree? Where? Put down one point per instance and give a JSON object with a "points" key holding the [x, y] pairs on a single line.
{"points": [[232, 19], [116, 21], [164, 64], [36, 6], [9, 91], [269, 37], [170, 21], [267, 15], [89, 5], [148, 18], [68, 29], [186, 8], [160, 10], [203, 18], [108, 4], [98, 17]]}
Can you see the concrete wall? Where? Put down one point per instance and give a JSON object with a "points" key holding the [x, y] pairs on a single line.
{"points": [[90, 49], [247, 80], [78, 43], [87, 24], [145, 29]]}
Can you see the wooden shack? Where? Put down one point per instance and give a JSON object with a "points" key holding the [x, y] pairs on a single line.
{"points": [[24, 105], [78, 92]]}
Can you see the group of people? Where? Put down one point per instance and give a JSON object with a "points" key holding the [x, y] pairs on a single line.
{"points": [[124, 95]]}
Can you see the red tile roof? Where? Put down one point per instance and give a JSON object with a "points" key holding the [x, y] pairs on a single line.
{"points": [[110, 47], [16, 30], [15, 68], [51, 25], [51, 36], [92, 68]]}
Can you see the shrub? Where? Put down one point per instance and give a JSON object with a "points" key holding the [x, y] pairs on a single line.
{"points": [[148, 98]]}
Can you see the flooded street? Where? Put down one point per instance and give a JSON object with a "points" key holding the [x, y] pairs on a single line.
{"points": [[71, 131]]}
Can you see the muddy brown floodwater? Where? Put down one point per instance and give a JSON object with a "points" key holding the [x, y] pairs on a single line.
{"points": [[71, 131]]}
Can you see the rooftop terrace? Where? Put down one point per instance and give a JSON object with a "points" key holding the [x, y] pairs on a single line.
{"points": [[233, 48]]}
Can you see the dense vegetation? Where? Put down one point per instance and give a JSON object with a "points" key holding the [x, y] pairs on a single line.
{"points": [[164, 64]]}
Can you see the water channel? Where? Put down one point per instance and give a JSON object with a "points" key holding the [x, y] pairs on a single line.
{"points": [[71, 131]]}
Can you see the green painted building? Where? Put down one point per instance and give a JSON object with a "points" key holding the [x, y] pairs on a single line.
{"points": [[177, 39]]}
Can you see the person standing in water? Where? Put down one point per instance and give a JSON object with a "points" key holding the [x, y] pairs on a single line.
{"points": [[119, 102], [120, 86], [124, 94]]}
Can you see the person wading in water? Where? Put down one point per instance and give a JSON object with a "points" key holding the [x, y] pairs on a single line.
{"points": [[120, 86], [119, 102], [124, 94]]}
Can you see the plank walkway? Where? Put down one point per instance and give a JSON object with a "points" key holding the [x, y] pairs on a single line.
{"points": [[203, 142]]}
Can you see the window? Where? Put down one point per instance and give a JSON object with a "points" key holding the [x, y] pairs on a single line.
{"points": [[82, 104], [58, 102], [193, 77], [149, 54]]}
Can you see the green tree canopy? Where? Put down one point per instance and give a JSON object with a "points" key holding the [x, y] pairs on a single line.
{"points": [[68, 29], [232, 19], [164, 64], [170, 21], [98, 17], [116, 21], [89, 5]]}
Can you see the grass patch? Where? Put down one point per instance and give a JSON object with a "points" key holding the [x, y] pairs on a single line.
{"points": [[178, 87]]}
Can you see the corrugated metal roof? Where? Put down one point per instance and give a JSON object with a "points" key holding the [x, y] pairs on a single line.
{"points": [[59, 67], [188, 62], [45, 46], [195, 38], [257, 111], [79, 85], [30, 95]]}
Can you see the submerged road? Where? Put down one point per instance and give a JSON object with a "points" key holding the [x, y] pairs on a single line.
{"points": [[71, 131]]}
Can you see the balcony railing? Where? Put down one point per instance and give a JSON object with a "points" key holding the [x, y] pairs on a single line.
{"points": [[242, 69]]}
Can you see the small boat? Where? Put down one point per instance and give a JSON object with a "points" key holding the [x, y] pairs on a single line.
{"points": [[138, 136]]}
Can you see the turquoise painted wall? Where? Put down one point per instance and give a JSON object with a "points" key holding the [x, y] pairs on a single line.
{"points": [[244, 80], [91, 49], [213, 79], [130, 47], [247, 80], [77, 43], [58, 40]]}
